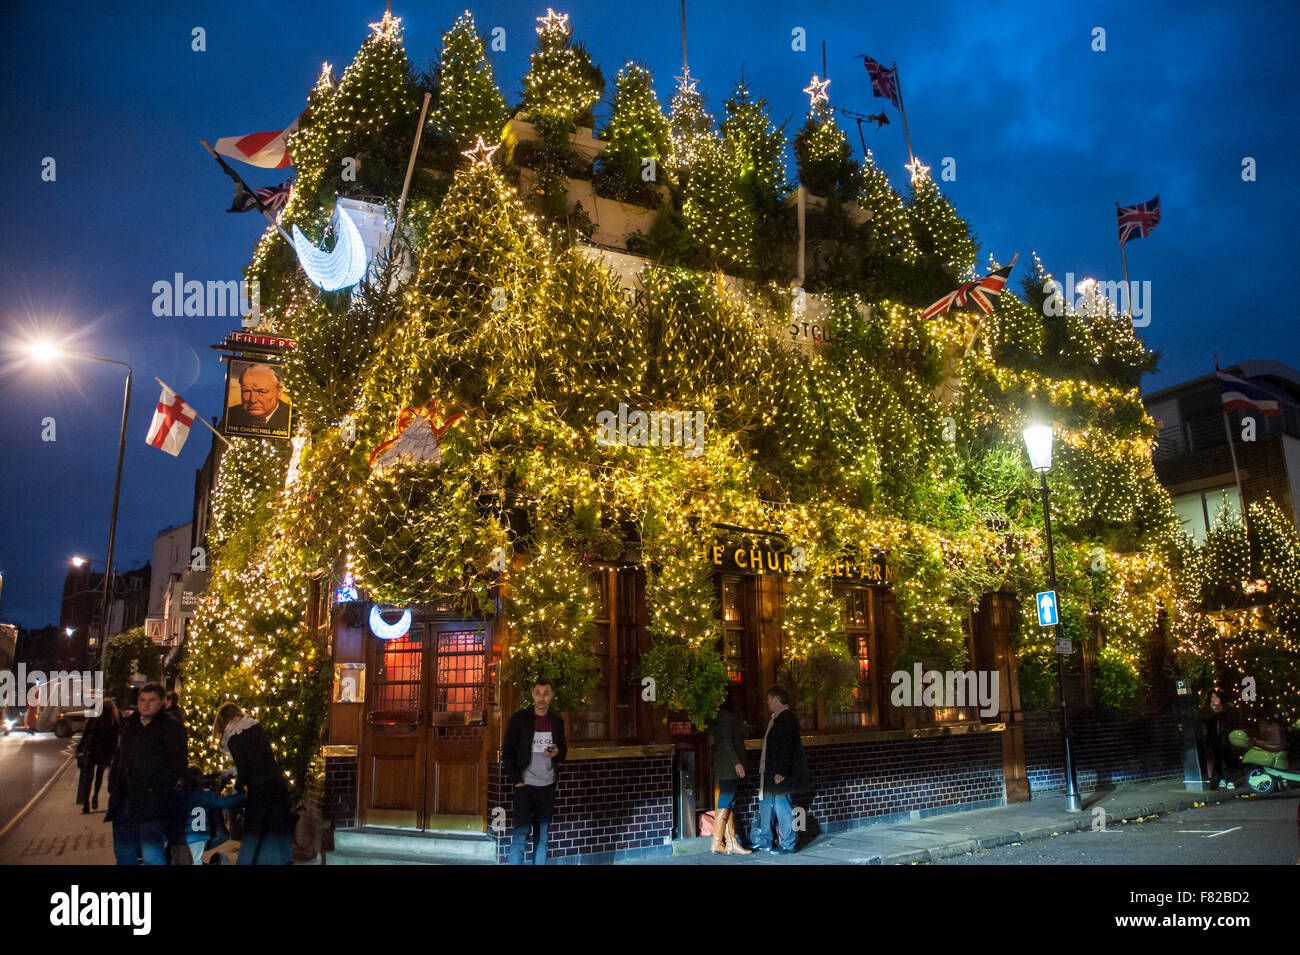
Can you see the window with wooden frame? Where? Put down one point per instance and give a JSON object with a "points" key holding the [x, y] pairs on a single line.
{"points": [[591, 721], [936, 715], [860, 624], [733, 628]]}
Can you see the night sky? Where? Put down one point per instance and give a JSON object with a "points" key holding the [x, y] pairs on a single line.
{"points": [[1046, 133]]}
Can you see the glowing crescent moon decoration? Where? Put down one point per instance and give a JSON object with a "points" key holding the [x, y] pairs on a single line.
{"points": [[342, 268], [389, 631]]}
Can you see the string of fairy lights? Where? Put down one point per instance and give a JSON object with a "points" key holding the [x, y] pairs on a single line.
{"points": [[844, 450]]}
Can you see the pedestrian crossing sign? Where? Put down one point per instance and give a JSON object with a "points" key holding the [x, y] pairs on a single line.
{"points": [[1048, 615]]}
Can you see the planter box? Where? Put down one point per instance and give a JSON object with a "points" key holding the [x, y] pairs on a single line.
{"points": [[854, 212], [614, 220], [583, 141]]}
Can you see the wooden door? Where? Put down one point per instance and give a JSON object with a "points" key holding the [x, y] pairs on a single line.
{"points": [[424, 764], [455, 765], [394, 741]]}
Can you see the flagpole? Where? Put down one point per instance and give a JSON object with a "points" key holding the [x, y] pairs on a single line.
{"points": [[1232, 449], [197, 417], [410, 166], [903, 109], [256, 201], [1123, 253]]}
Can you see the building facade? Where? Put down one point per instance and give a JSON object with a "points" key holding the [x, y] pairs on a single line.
{"points": [[1193, 458]]}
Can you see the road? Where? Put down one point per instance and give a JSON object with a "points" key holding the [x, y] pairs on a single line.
{"points": [[26, 764], [1254, 831]]}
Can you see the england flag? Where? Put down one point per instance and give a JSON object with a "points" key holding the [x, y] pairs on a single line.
{"points": [[171, 423]]}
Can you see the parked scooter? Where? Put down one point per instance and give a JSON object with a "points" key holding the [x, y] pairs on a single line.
{"points": [[1270, 770]]}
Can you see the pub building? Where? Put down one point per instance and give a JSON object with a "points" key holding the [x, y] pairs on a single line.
{"points": [[412, 772]]}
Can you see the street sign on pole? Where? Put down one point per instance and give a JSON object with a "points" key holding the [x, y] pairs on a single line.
{"points": [[1048, 616], [1064, 646]]}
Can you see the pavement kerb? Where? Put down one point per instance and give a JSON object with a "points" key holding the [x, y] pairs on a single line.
{"points": [[36, 800]]}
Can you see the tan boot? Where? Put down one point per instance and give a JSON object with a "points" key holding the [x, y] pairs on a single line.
{"points": [[719, 831], [733, 844]]}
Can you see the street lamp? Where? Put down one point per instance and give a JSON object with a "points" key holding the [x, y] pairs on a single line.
{"points": [[46, 351], [1038, 442]]}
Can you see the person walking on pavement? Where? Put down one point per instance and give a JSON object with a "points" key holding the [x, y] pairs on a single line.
{"points": [[531, 751], [781, 771], [728, 736], [95, 753], [144, 780], [268, 818]]}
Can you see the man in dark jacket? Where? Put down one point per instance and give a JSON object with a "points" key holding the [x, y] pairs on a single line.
{"points": [[782, 771], [530, 753], [144, 780]]}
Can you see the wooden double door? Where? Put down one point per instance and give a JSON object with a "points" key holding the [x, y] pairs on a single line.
{"points": [[424, 762]]}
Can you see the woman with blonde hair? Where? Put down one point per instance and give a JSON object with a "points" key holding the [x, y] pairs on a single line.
{"points": [[268, 822]]}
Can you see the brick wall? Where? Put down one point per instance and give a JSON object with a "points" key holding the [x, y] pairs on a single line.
{"points": [[339, 805], [605, 809], [856, 784], [1104, 751]]}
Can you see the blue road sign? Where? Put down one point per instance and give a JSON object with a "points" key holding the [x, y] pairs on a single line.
{"points": [[1048, 616]]}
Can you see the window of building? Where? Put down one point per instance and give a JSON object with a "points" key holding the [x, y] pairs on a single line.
{"points": [[859, 625], [591, 722], [733, 627], [1199, 510]]}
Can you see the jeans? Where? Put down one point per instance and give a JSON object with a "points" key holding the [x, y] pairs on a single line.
{"points": [[534, 806], [726, 793], [146, 839], [196, 852], [784, 821]]}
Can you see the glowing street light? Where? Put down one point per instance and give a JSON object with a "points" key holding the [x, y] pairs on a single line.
{"points": [[1038, 442]]}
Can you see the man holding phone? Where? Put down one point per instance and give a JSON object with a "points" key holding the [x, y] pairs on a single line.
{"points": [[532, 749]]}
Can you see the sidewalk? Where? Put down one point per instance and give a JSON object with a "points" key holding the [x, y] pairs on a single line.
{"points": [[931, 838], [56, 832]]}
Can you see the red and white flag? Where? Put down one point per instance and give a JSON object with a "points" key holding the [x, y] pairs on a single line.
{"points": [[171, 423], [268, 150]]}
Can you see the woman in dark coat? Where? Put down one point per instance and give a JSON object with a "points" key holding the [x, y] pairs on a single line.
{"points": [[728, 735], [268, 822], [95, 753]]}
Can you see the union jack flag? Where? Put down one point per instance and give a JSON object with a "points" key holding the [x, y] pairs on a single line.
{"points": [[272, 199], [978, 293], [884, 81], [1136, 222]]}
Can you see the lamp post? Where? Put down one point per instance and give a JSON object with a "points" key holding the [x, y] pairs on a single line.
{"points": [[45, 352], [1038, 442]]}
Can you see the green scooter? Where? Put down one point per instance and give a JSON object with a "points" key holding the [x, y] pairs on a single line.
{"points": [[1270, 770]]}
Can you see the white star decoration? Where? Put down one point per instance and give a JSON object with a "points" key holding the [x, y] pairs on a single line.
{"points": [[686, 82], [390, 26], [816, 91], [918, 170], [553, 21], [480, 152]]}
